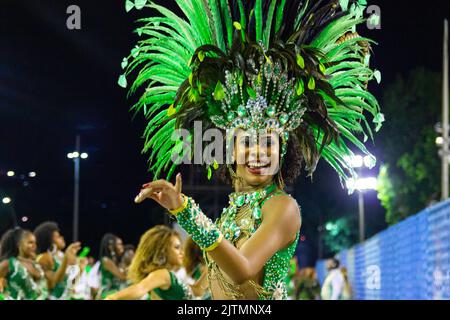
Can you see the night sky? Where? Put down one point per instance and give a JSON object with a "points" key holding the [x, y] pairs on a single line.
{"points": [[55, 83]]}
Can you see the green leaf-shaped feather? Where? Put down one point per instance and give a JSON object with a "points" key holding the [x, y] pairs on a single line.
{"points": [[209, 173], [124, 63], [201, 56], [122, 81], [377, 75], [300, 87], [140, 4], [219, 94], [300, 61], [311, 83], [129, 5]]}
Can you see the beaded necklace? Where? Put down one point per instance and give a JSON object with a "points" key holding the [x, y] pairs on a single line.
{"points": [[230, 223], [240, 221]]}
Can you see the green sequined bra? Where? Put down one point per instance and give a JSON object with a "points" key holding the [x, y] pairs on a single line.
{"points": [[239, 221]]}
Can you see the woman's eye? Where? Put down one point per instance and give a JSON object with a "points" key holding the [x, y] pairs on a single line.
{"points": [[245, 141], [267, 142]]}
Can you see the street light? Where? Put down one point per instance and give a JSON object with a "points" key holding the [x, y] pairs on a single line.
{"points": [[361, 185], [32, 174], [6, 200], [10, 173], [76, 156]]}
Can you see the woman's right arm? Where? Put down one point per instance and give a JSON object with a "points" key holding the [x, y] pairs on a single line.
{"points": [[110, 266], [47, 264], [156, 279]]}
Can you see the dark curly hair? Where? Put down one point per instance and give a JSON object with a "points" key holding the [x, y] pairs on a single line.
{"points": [[290, 167], [10, 242], [44, 235]]}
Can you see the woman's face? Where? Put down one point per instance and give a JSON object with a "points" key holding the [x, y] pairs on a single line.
{"points": [[119, 247], [27, 246], [128, 256], [175, 254], [58, 240], [257, 157]]}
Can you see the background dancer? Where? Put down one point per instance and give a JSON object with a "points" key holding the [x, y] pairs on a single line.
{"points": [[25, 279], [111, 277], [55, 263], [158, 255]]}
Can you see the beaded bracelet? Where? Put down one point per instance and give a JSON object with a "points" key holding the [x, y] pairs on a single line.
{"points": [[202, 230]]}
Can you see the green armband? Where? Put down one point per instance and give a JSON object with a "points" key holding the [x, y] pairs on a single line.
{"points": [[202, 230]]}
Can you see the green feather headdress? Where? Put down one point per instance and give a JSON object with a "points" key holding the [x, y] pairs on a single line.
{"points": [[297, 66]]}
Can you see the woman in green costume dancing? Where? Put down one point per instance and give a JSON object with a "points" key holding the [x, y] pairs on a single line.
{"points": [[53, 260], [284, 83], [158, 255], [111, 276], [25, 279]]}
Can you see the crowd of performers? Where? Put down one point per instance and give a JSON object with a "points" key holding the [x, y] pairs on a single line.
{"points": [[38, 265], [284, 84]]}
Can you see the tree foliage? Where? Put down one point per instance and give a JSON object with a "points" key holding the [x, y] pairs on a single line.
{"points": [[340, 234], [410, 174]]}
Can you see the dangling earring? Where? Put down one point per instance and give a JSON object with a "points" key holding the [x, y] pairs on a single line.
{"points": [[233, 175], [280, 181], [161, 261], [281, 184]]}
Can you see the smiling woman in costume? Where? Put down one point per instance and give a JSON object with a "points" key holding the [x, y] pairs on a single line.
{"points": [[286, 82]]}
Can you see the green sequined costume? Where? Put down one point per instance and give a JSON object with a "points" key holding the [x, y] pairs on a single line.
{"points": [[239, 222], [177, 291], [109, 283], [59, 292], [295, 68], [21, 286]]}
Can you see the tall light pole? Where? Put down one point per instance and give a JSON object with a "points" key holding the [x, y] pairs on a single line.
{"points": [[76, 156], [362, 229], [445, 129], [361, 185]]}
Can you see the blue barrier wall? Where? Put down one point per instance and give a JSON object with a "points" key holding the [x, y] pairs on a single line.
{"points": [[410, 260]]}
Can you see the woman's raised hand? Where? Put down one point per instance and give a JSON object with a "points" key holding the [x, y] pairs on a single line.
{"points": [[165, 193]]}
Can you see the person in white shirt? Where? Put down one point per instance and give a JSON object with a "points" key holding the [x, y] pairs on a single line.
{"points": [[333, 285], [94, 279]]}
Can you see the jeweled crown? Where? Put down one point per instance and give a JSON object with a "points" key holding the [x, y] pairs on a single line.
{"points": [[267, 99]]}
